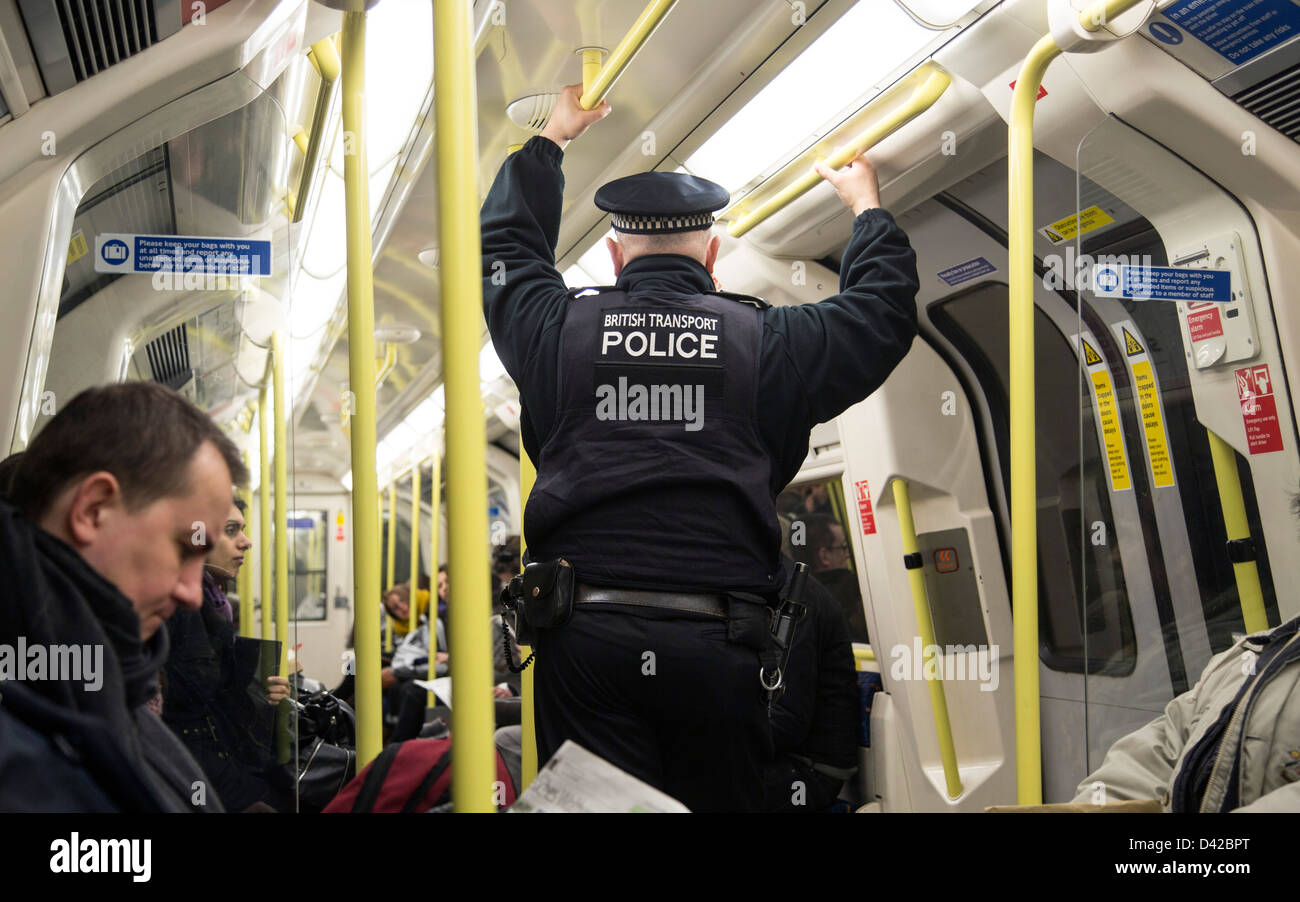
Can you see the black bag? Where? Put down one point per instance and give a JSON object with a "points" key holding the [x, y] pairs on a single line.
{"points": [[327, 759], [323, 770]]}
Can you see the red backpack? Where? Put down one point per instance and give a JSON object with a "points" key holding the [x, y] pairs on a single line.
{"points": [[407, 777]]}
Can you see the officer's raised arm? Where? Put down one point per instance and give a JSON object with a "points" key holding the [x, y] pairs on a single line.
{"points": [[520, 220], [843, 348]]}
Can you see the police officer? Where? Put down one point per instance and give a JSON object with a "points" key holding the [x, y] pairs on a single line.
{"points": [[664, 418]]}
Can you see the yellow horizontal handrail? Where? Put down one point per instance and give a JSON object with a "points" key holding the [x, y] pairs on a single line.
{"points": [[925, 629], [325, 58], [863, 655], [909, 98], [642, 28]]}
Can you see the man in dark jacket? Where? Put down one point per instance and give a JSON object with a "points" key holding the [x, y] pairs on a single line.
{"points": [[664, 418], [115, 504], [815, 725]]}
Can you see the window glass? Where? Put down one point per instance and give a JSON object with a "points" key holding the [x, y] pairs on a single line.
{"points": [[815, 531], [975, 321], [308, 538]]}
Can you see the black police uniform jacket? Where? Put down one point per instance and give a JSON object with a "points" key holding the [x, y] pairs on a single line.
{"points": [[685, 501]]}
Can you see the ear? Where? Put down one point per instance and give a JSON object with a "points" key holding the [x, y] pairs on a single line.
{"points": [[711, 255], [616, 254], [97, 496], [824, 558]]}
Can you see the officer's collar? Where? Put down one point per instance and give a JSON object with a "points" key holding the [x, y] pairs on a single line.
{"points": [[671, 271]]}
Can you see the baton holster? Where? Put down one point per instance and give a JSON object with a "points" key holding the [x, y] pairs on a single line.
{"points": [[754, 623], [540, 598]]}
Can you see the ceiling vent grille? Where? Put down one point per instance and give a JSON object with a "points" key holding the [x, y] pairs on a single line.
{"points": [[1276, 100], [169, 357], [76, 39]]}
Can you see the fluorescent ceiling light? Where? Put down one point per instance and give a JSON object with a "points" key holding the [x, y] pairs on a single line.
{"points": [[399, 70], [577, 277], [490, 367], [811, 94]]}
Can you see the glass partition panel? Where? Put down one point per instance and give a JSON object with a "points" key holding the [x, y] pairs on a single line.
{"points": [[1163, 327], [180, 237]]}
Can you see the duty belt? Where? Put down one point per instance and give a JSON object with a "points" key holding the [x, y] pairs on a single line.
{"points": [[712, 605]]}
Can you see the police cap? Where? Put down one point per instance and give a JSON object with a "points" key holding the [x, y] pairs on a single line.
{"points": [[658, 203]]}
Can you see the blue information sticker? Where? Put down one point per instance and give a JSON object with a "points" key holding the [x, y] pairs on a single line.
{"points": [[1162, 283], [1238, 30], [118, 253], [964, 272]]}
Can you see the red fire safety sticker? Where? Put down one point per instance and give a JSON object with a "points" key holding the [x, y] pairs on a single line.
{"points": [[865, 513], [1258, 409], [1203, 321], [338, 522]]}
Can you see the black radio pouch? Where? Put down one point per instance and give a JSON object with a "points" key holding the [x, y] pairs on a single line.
{"points": [[541, 598]]}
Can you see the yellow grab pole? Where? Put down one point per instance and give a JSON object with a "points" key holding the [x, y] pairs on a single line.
{"points": [[326, 60], [246, 571], [627, 48], [456, 127], [361, 376], [527, 476], [925, 627], [391, 570], [922, 91], [592, 57], [264, 561], [281, 536], [1238, 528], [1024, 473], [412, 614], [435, 501]]}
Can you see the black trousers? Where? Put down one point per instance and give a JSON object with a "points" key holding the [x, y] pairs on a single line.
{"points": [[670, 701]]}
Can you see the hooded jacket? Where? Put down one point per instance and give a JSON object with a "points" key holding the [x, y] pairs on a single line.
{"points": [[1230, 743], [87, 743]]}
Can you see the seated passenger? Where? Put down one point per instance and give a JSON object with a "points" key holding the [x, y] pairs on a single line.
{"points": [[815, 724], [101, 546], [206, 699], [1198, 757], [827, 555], [397, 605]]}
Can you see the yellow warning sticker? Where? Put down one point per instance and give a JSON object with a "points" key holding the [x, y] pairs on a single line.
{"points": [[77, 247], [1072, 226], [1132, 347], [1111, 436], [1162, 469], [1090, 356]]}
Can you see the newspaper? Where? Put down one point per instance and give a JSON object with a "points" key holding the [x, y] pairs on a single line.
{"points": [[575, 781], [440, 687]]}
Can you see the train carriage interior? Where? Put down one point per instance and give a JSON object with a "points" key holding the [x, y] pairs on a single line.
{"points": [[1162, 435]]}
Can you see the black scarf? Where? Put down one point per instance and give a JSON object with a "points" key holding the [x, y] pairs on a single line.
{"points": [[51, 596]]}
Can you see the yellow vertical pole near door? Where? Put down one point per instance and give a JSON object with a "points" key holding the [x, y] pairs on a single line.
{"points": [[246, 571], [264, 562], [413, 614], [925, 628], [435, 501], [1024, 472], [391, 569], [527, 476], [361, 376], [1246, 572], [285, 739], [474, 776]]}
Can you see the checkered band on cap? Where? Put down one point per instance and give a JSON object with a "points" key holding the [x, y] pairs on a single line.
{"points": [[660, 225]]}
